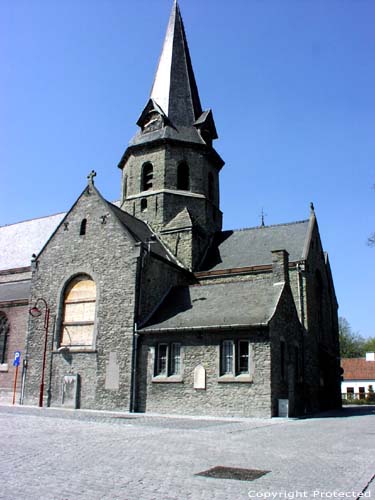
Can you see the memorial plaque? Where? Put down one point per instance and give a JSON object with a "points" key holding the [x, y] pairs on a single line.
{"points": [[112, 374], [70, 388], [199, 377]]}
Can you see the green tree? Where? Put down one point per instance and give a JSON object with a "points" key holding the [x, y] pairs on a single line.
{"points": [[351, 343], [369, 345]]}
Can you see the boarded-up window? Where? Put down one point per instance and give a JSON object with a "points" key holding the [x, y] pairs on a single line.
{"points": [[79, 312]]}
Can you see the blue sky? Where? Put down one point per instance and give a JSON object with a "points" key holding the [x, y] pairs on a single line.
{"points": [[291, 84]]}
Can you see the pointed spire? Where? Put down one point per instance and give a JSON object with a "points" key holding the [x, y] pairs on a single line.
{"points": [[174, 88]]}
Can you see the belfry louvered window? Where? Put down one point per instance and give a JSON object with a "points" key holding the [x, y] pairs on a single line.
{"points": [[79, 312], [147, 176]]}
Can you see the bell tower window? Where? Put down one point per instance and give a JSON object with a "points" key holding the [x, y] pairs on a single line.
{"points": [[183, 177], [147, 176]]}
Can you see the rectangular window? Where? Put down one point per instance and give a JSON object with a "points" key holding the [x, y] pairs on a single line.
{"points": [[243, 356], [227, 357], [234, 357], [161, 359], [175, 359], [350, 392], [168, 359]]}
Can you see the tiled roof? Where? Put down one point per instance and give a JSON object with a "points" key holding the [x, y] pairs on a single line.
{"points": [[220, 305], [358, 369], [19, 241], [252, 247]]}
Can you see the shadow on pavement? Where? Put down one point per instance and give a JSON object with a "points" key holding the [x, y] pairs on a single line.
{"points": [[346, 411]]}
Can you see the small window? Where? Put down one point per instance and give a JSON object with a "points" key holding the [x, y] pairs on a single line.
{"points": [[235, 359], [143, 204], [350, 392], [79, 312], [82, 229], [147, 176], [168, 359], [4, 329], [210, 186], [125, 186], [183, 180]]}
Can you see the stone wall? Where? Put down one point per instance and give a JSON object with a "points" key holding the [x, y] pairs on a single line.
{"points": [[236, 397], [109, 256]]}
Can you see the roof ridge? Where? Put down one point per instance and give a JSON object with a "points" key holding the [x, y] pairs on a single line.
{"points": [[267, 226], [32, 219]]}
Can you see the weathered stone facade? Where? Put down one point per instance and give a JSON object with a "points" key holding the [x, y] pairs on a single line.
{"points": [[186, 318]]}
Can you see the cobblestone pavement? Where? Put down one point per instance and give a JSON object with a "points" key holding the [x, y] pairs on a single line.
{"points": [[80, 455]]}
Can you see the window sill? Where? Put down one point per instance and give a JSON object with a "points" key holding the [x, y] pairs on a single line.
{"points": [[162, 379], [230, 379], [76, 350]]}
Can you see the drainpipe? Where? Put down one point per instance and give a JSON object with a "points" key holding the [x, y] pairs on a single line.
{"points": [[300, 271], [133, 382]]}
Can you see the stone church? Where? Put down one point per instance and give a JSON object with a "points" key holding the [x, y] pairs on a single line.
{"points": [[147, 305]]}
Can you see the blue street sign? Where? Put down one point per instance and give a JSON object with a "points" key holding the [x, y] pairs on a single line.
{"points": [[17, 358]]}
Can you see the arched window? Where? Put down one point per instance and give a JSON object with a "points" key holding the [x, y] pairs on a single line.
{"points": [[210, 186], [183, 177], [82, 229], [143, 204], [4, 329], [147, 176], [125, 186], [79, 312]]}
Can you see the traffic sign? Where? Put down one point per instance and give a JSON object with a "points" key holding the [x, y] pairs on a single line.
{"points": [[17, 358]]}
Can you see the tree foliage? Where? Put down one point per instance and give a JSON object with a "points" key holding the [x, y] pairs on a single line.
{"points": [[352, 345]]}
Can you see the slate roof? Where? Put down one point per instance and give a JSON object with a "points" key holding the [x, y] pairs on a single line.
{"points": [[213, 306], [174, 88], [14, 291], [253, 246], [19, 241], [358, 369], [141, 232]]}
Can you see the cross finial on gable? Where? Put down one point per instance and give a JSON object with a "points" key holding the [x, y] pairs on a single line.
{"points": [[91, 176]]}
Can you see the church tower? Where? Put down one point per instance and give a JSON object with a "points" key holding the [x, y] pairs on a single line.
{"points": [[170, 171]]}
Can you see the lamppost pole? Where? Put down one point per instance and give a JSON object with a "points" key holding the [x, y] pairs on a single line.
{"points": [[35, 312]]}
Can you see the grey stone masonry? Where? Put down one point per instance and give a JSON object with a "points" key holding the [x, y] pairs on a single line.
{"points": [[244, 395], [107, 254]]}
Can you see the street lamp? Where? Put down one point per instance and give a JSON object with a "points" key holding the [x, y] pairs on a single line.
{"points": [[35, 312]]}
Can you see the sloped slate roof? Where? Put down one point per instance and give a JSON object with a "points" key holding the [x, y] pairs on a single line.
{"points": [[142, 233], [252, 247], [19, 241], [221, 305], [14, 291], [358, 369]]}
